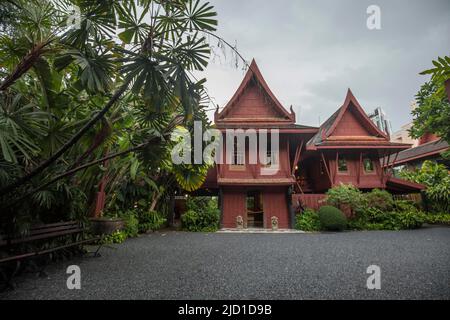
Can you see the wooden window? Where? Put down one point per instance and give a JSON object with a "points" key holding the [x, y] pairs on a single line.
{"points": [[342, 164], [368, 165], [238, 156], [271, 156]]}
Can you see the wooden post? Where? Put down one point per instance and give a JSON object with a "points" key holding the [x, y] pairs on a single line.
{"points": [[383, 164], [326, 168], [359, 168], [388, 174], [336, 167], [297, 157], [288, 156]]}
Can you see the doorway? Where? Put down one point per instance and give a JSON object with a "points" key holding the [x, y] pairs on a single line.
{"points": [[255, 213]]}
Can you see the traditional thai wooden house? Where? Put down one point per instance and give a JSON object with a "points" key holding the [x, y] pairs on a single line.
{"points": [[346, 148]]}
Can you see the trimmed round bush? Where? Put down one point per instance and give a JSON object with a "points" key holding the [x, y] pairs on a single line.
{"points": [[331, 218]]}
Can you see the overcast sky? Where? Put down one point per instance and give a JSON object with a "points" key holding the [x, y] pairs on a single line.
{"points": [[310, 52]]}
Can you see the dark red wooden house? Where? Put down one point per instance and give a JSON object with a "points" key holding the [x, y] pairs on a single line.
{"points": [[346, 148]]}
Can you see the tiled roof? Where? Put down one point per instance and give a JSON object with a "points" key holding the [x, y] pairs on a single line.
{"points": [[396, 184], [421, 151], [317, 138]]}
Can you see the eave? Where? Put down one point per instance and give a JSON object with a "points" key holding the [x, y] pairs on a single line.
{"points": [[256, 182], [400, 185], [358, 145]]}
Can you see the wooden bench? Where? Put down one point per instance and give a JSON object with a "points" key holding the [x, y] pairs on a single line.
{"points": [[12, 245]]}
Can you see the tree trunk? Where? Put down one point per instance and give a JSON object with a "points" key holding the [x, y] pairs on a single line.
{"points": [[155, 201], [68, 173], [25, 64], [67, 145]]}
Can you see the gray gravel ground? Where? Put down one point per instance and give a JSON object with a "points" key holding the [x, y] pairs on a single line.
{"points": [[177, 265]]}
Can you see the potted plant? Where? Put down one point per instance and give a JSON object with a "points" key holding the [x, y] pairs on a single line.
{"points": [[106, 224]]}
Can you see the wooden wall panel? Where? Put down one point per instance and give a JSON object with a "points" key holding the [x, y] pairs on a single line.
{"points": [[275, 204], [311, 201], [350, 126], [252, 104], [233, 205]]}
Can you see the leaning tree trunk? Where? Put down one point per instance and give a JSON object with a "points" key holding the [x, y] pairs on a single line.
{"points": [[41, 167], [173, 124], [155, 201], [25, 64]]}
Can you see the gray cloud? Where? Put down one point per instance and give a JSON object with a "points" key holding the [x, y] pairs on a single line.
{"points": [[310, 52]]}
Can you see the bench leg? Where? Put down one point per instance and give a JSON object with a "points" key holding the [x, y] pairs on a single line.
{"points": [[97, 253], [5, 279], [39, 270], [8, 279]]}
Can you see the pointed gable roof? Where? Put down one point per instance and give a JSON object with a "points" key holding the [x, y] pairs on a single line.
{"points": [[328, 134], [252, 77], [351, 102]]}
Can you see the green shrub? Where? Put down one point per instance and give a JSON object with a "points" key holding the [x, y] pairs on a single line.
{"points": [[410, 219], [380, 199], [443, 218], [331, 218], [115, 237], [150, 220], [346, 195], [405, 205], [131, 227], [404, 216], [200, 203], [307, 221], [437, 179], [204, 219]]}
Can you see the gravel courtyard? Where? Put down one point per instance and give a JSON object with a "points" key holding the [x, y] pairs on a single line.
{"points": [[177, 265]]}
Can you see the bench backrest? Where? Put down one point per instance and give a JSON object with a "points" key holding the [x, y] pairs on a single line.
{"points": [[43, 231]]}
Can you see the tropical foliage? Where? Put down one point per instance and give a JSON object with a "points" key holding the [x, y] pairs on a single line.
{"points": [[432, 114], [90, 92], [437, 180], [202, 215]]}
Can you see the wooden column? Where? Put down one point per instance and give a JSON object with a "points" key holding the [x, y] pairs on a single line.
{"points": [[288, 156], [336, 167], [297, 157], [382, 166], [326, 168], [391, 167], [359, 168]]}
